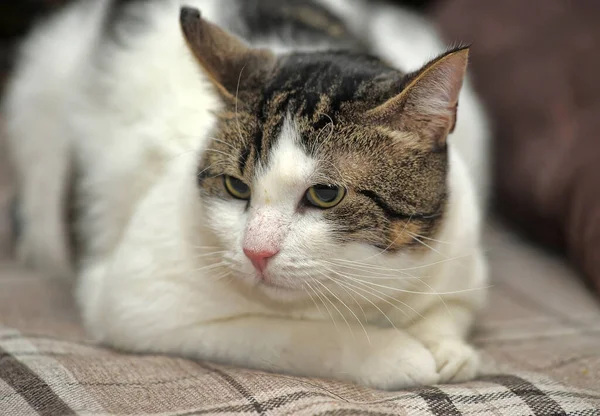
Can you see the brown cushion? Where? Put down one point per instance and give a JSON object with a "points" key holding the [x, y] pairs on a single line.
{"points": [[536, 65]]}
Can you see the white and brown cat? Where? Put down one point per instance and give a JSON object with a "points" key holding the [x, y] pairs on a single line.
{"points": [[281, 185]]}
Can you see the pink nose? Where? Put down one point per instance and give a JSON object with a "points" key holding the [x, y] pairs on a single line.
{"points": [[259, 258]]}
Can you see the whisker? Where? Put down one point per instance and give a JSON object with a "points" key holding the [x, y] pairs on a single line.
{"points": [[208, 167], [222, 276], [388, 277], [336, 308], [398, 274], [372, 292], [313, 299], [237, 91], [352, 312], [392, 243], [379, 272], [414, 267], [439, 295], [224, 142], [214, 254], [355, 301], [209, 267], [185, 152], [434, 293], [328, 178], [221, 152], [332, 124], [428, 246], [319, 295], [427, 238], [367, 299]]}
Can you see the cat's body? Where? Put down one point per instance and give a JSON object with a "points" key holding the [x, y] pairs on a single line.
{"points": [[148, 118]]}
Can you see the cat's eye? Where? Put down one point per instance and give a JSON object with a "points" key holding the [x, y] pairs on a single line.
{"points": [[236, 187], [325, 196]]}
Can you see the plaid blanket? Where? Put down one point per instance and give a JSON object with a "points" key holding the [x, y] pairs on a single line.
{"points": [[540, 340]]}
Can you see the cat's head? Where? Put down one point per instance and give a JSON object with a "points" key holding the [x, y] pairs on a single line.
{"points": [[321, 159]]}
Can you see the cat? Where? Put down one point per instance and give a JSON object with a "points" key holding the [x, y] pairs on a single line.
{"points": [[280, 185]]}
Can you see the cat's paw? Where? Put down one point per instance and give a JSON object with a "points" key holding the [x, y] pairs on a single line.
{"points": [[456, 361], [401, 363]]}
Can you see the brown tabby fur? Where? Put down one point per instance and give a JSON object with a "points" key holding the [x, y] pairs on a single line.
{"points": [[365, 122]]}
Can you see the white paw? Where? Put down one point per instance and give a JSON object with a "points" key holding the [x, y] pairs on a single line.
{"points": [[456, 361], [399, 363]]}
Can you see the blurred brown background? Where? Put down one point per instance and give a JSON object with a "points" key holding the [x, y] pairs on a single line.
{"points": [[535, 65]]}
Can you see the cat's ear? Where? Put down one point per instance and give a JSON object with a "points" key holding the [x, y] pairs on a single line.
{"points": [[427, 105], [223, 57]]}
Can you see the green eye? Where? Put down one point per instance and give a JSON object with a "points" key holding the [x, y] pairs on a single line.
{"points": [[236, 187], [325, 196]]}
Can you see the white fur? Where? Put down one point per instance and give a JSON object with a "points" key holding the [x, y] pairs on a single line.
{"points": [[164, 270]]}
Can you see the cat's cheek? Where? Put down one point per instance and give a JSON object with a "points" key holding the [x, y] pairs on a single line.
{"points": [[312, 236], [227, 219]]}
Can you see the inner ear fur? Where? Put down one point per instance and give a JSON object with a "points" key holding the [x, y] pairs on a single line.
{"points": [[227, 61], [428, 104]]}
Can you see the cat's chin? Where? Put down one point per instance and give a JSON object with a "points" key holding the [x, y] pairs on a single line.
{"points": [[277, 291], [275, 286]]}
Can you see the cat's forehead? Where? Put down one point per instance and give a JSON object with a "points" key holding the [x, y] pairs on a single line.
{"points": [[289, 171], [305, 79], [315, 92]]}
